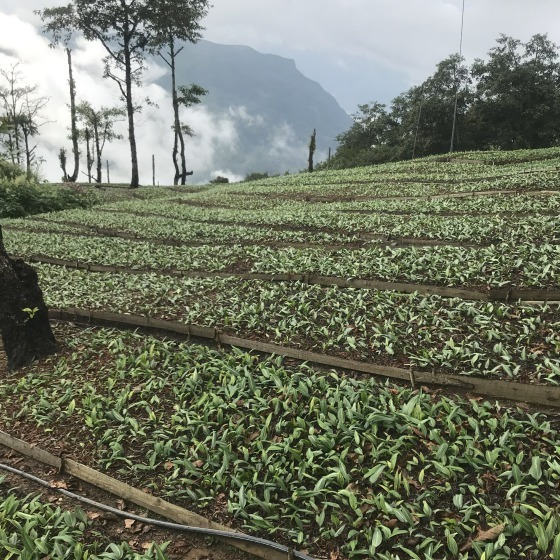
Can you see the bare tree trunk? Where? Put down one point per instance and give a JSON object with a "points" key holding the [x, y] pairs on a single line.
{"points": [[135, 179], [312, 146], [184, 172], [89, 158], [97, 152], [74, 177], [27, 153], [24, 320], [177, 123], [62, 160]]}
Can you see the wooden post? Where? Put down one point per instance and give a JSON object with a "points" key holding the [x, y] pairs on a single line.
{"points": [[153, 170]]}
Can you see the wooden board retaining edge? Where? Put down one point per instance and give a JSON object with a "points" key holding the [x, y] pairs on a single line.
{"points": [[142, 499], [30, 450], [535, 394], [424, 289], [522, 294], [133, 495], [161, 507], [333, 361], [494, 294]]}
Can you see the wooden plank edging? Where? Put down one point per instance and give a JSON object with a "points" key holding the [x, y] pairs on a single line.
{"points": [[30, 450], [545, 395], [493, 294], [133, 495]]}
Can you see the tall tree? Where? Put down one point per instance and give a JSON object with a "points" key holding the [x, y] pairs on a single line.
{"points": [[100, 122], [126, 29], [518, 94], [366, 142], [64, 35], [12, 96], [186, 96], [73, 126], [179, 21], [419, 121], [424, 113], [123, 28]]}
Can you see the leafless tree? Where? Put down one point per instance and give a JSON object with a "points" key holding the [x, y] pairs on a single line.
{"points": [[21, 105]]}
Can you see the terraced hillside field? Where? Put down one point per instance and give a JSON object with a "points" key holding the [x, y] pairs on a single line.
{"points": [[424, 297]]}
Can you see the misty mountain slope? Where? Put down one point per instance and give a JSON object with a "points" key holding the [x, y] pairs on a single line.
{"points": [[273, 107]]}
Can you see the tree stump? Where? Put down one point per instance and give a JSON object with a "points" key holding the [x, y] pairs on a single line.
{"points": [[24, 319]]}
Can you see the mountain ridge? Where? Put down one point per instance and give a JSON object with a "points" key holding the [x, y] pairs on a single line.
{"points": [[273, 106]]}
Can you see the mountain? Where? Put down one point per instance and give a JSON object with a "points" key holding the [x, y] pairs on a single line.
{"points": [[273, 107]]}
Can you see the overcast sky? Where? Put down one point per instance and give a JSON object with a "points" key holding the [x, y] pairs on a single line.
{"points": [[363, 50], [358, 50]]}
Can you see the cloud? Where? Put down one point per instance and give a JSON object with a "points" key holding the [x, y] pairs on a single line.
{"points": [[243, 115]]}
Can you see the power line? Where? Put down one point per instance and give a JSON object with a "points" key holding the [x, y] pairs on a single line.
{"points": [[418, 121], [456, 82]]}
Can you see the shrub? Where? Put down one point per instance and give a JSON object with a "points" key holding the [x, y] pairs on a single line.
{"points": [[20, 197], [9, 170], [219, 179], [255, 176]]}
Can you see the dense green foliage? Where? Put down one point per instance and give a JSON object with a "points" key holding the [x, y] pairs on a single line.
{"points": [[21, 197], [511, 100], [32, 530], [9, 171], [256, 176]]}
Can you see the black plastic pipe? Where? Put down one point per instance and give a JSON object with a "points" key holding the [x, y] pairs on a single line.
{"points": [[290, 553]]}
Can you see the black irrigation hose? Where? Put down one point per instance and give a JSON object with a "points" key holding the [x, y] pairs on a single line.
{"points": [[290, 553]]}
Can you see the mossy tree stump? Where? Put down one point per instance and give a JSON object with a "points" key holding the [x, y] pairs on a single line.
{"points": [[24, 319]]}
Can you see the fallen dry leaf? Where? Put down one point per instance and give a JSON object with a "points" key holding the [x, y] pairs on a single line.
{"points": [[254, 436], [59, 484], [128, 523], [490, 535]]}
